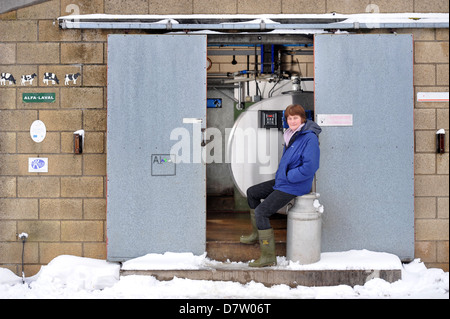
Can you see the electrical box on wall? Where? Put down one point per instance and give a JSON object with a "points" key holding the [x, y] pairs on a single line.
{"points": [[271, 119], [78, 141]]}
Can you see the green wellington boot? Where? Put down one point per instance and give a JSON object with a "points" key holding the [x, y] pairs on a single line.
{"points": [[267, 247], [253, 237]]}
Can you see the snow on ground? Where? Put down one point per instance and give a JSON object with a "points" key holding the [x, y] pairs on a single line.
{"points": [[79, 277]]}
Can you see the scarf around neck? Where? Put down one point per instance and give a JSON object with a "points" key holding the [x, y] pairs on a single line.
{"points": [[289, 133]]}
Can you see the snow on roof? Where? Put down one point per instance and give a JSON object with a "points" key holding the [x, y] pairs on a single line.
{"points": [[257, 22]]}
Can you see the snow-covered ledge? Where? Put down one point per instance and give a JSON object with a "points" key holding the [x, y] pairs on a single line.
{"points": [[277, 22]]}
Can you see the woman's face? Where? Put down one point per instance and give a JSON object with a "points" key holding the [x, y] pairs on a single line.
{"points": [[294, 121]]}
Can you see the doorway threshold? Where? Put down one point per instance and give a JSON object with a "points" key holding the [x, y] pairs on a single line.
{"points": [[224, 229]]}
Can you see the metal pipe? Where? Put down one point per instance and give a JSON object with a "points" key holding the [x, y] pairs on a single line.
{"points": [[239, 106], [23, 237]]}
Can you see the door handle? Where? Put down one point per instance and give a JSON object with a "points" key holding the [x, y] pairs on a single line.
{"points": [[203, 137]]}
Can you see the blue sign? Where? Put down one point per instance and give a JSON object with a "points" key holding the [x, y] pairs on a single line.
{"points": [[37, 165], [214, 103]]}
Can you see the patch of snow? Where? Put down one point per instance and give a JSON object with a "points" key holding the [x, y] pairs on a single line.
{"points": [[7, 277], [166, 261], [80, 277], [79, 273], [348, 260]]}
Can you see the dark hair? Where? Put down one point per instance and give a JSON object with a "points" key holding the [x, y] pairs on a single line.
{"points": [[295, 109]]}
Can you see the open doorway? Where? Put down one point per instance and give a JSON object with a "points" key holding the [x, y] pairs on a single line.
{"points": [[233, 89]]}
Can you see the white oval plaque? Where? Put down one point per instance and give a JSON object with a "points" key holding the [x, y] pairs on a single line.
{"points": [[38, 131]]}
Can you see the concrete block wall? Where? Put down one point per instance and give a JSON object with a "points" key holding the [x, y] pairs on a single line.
{"points": [[64, 210], [431, 54]]}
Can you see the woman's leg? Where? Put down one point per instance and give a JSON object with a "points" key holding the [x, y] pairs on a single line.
{"points": [[258, 192], [254, 196], [270, 206]]}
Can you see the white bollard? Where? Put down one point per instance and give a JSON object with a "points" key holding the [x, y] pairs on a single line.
{"points": [[304, 229]]}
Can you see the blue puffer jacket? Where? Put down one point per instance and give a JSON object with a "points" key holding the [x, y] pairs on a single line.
{"points": [[300, 161]]}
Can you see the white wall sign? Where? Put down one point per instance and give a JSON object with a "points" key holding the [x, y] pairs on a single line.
{"points": [[432, 97], [335, 119], [37, 165], [38, 131]]}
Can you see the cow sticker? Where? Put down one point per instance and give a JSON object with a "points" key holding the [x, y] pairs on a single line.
{"points": [[7, 77], [71, 77], [50, 77], [28, 79]]}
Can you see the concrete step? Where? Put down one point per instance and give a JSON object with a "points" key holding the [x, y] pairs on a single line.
{"points": [[270, 276]]}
